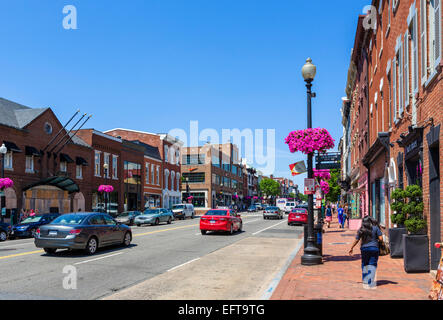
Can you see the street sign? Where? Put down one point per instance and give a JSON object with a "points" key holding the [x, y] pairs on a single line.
{"points": [[320, 166], [309, 186]]}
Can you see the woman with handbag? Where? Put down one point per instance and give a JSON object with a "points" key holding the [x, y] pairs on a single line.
{"points": [[370, 235]]}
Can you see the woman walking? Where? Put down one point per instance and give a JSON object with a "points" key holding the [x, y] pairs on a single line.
{"points": [[341, 219], [329, 215], [369, 235]]}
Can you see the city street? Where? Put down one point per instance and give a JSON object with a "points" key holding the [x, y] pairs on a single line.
{"points": [[28, 273]]}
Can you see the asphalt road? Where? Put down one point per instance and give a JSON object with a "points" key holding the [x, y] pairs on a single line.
{"points": [[28, 273]]}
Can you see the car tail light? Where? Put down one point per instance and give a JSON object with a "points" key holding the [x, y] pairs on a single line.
{"points": [[438, 245], [75, 231]]}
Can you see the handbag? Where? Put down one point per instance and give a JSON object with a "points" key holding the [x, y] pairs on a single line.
{"points": [[383, 248]]}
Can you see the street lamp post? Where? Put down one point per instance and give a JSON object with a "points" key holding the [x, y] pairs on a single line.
{"points": [[106, 167], [3, 151], [311, 254], [187, 188]]}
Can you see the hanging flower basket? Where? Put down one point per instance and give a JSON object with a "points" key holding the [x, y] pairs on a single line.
{"points": [[6, 183], [324, 186], [323, 174], [190, 198], [105, 188], [309, 140]]}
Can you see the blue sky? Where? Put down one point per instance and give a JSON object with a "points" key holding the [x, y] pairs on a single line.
{"points": [[157, 65]]}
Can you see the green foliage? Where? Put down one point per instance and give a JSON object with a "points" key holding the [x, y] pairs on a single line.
{"points": [[408, 207], [270, 187], [334, 187]]}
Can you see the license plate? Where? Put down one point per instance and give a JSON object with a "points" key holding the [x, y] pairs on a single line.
{"points": [[298, 217], [212, 221], [52, 233]]}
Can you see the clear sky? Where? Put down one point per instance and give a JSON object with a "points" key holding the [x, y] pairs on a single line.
{"points": [[155, 65]]}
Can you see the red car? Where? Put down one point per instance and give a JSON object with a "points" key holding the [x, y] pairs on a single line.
{"points": [[298, 216], [221, 220]]}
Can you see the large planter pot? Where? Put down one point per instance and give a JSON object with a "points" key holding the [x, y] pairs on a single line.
{"points": [[416, 253], [354, 224], [396, 241]]}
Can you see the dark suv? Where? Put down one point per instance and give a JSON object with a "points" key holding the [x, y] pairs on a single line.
{"points": [[27, 227]]}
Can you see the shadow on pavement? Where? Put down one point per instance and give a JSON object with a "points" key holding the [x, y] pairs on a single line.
{"points": [[328, 258], [64, 253], [385, 282]]}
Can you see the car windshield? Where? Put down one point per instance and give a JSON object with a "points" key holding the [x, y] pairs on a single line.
{"points": [[32, 219], [290, 204], [178, 206], [271, 208], [299, 210], [216, 213], [156, 211], [69, 219]]}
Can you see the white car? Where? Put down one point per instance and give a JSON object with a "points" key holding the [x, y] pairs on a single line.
{"points": [[289, 206], [183, 210]]}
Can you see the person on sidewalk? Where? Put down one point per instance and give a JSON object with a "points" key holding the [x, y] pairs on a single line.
{"points": [[329, 215], [341, 220], [369, 235]]}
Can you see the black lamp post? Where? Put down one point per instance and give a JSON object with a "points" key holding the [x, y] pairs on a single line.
{"points": [[187, 188], [3, 151], [311, 254]]}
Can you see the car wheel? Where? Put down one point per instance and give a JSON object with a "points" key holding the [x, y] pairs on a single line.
{"points": [[91, 246], [169, 220], [127, 239], [3, 236], [50, 250], [241, 227], [138, 225], [203, 232], [231, 230], [157, 221], [192, 217]]}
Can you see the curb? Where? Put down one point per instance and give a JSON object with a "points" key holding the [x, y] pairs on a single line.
{"points": [[274, 283]]}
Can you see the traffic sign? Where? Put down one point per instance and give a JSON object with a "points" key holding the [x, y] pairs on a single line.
{"points": [[309, 186]]}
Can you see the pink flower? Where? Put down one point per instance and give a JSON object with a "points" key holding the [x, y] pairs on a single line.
{"points": [[309, 140], [324, 187], [6, 183], [105, 188], [323, 174]]}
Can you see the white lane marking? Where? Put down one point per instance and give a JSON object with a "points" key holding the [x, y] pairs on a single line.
{"points": [[99, 258], [268, 227], [176, 267]]}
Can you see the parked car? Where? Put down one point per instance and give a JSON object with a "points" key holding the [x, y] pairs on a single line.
{"points": [[184, 210], [298, 216], [252, 209], [272, 212], [82, 230], [154, 217], [221, 220], [5, 230], [127, 217], [29, 226], [259, 206]]}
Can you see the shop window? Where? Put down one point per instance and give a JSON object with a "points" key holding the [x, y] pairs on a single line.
{"points": [[29, 164], [8, 161], [79, 172]]}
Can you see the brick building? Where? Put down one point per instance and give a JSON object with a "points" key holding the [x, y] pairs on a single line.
{"points": [[213, 174], [405, 93], [47, 177], [170, 153]]}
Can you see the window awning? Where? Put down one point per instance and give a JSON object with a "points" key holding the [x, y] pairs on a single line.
{"points": [[62, 182], [31, 151], [11, 146], [80, 161], [65, 158]]}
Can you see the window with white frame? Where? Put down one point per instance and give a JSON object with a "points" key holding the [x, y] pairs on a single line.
{"points": [[152, 173], [172, 180], [166, 180], [97, 164], [178, 181], [430, 17], [177, 157], [166, 153], [29, 168], [106, 162], [157, 177], [8, 161], [172, 154], [114, 167], [79, 172], [63, 166]]}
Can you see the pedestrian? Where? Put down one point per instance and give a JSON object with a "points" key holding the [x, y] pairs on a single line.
{"points": [[341, 220], [369, 236], [329, 215], [32, 213], [345, 214]]}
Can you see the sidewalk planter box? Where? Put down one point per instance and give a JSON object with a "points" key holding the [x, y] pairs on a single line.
{"points": [[354, 224], [396, 241], [416, 253]]}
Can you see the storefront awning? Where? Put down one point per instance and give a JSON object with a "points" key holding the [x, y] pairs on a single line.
{"points": [[64, 183], [31, 151], [80, 161], [11, 146], [65, 158]]}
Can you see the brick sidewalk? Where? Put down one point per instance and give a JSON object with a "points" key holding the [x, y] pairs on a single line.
{"points": [[339, 277]]}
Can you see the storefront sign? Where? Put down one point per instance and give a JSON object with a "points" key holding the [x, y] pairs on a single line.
{"points": [[411, 147], [309, 186]]}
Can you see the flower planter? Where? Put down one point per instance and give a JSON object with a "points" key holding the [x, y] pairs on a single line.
{"points": [[354, 224], [416, 253], [396, 241]]}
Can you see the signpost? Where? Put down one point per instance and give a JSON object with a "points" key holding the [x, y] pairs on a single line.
{"points": [[309, 186]]}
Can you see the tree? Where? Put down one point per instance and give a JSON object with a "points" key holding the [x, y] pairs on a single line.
{"points": [[334, 187], [269, 187]]}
